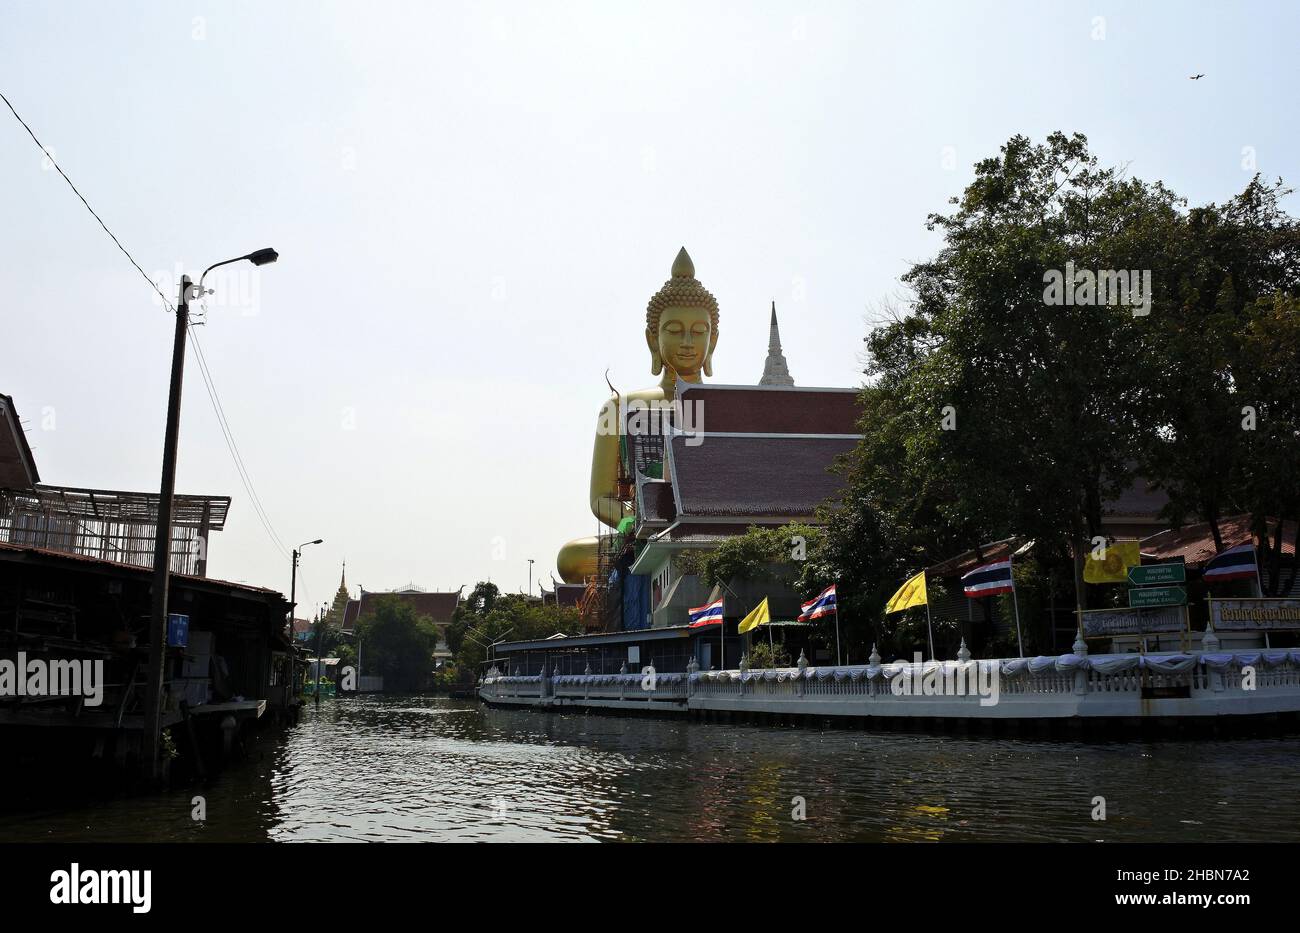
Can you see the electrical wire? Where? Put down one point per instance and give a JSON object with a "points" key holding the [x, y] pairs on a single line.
{"points": [[222, 421]]}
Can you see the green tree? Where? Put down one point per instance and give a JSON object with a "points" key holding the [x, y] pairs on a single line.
{"points": [[481, 622], [991, 411], [399, 644]]}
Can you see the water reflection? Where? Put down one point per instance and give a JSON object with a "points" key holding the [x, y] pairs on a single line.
{"points": [[416, 768]]}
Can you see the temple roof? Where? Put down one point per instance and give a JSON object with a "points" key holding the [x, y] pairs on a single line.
{"points": [[774, 409], [755, 474], [437, 606], [654, 501]]}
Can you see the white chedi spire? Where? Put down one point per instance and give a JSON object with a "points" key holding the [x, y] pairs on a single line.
{"points": [[775, 370]]}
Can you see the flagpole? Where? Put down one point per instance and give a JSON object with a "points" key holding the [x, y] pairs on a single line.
{"points": [[1015, 602], [838, 662], [929, 625], [1259, 585]]}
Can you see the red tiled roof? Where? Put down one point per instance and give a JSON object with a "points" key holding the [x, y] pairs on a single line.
{"points": [[1195, 543], [740, 475], [774, 409], [437, 606]]}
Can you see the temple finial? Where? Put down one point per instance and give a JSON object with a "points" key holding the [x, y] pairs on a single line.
{"points": [[683, 268], [775, 370]]}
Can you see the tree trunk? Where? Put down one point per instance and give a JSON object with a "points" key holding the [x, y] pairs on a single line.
{"points": [[1295, 555], [1275, 560], [1213, 514]]}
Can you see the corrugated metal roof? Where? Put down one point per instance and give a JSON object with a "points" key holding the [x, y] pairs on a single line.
{"points": [[17, 465], [12, 551]]}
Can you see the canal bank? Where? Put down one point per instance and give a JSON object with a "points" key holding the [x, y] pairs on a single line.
{"points": [[431, 769]]}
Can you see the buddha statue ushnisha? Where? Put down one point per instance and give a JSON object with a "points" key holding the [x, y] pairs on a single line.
{"points": [[681, 332]]}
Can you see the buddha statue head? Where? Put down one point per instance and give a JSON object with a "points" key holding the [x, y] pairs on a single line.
{"points": [[681, 325]]}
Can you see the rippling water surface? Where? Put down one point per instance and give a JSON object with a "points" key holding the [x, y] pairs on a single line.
{"points": [[432, 769]]}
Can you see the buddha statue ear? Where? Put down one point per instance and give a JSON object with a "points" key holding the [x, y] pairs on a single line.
{"points": [[708, 359], [656, 361]]}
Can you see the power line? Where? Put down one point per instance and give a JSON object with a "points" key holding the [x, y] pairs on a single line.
{"points": [[131, 258], [227, 434], [244, 477]]}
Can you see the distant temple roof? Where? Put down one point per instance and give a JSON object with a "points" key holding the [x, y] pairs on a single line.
{"points": [[437, 606], [569, 594]]}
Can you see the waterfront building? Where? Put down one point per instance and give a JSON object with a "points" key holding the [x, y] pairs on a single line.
{"points": [[76, 572]]}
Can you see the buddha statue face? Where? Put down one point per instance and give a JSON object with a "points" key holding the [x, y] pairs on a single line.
{"points": [[682, 326], [684, 341]]}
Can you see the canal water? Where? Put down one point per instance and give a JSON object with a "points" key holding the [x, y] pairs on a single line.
{"points": [[432, 769]]}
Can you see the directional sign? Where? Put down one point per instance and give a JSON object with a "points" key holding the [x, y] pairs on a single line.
{"points": [[1107, 623], [1157, 596], [1153, 574]]}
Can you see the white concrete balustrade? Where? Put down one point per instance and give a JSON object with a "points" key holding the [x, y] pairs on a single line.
{"points": [[1196, 684]]}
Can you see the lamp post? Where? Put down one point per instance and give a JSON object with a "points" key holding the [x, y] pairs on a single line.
{"points": [[163, 535], [530, 576], [320, 662], [293, 610]]}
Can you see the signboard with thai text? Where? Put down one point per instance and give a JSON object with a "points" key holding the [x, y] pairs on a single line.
{"points": [[1255, 615], [1107, 623]]}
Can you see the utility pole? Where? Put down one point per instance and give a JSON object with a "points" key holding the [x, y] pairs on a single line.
{"points": [[293, 609], [151, 766], [162, 546], [530, 576]]}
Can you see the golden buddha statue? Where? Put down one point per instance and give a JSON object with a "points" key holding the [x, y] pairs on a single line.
{"points": [[682, 333]]}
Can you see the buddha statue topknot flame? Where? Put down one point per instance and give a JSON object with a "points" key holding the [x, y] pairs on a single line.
{"points": [[682, 333]]}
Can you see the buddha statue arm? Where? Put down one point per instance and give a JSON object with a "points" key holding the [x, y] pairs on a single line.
{"points": [[604, 468]]}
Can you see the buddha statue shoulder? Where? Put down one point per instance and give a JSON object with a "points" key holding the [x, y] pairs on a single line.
{"points": [[681, 333]]}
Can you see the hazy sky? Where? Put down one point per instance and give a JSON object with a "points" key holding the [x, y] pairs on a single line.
{"points": [[473, 203]]}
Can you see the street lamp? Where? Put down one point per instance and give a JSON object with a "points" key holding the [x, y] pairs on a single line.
{"points": [[530, 576], [293, 607], [163, 535]]}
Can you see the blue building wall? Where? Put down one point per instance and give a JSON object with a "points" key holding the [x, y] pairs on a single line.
{"points": [[636, 601]]}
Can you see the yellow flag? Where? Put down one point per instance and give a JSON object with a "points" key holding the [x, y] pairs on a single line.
{"points": [[1120, 556], [911, 593], [760, 616]]}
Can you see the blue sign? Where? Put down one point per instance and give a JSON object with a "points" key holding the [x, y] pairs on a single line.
{"points": [[178, 630]]}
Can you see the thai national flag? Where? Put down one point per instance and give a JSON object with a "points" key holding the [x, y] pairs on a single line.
{"points": [[706, 615], [988, 580], [1236, 563], [822, 605]]}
